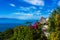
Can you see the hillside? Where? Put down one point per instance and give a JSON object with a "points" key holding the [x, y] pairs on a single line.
{"points": [[36, 32]]}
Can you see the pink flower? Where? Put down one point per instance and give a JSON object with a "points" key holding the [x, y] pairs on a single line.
{"points": [[34, 26]]}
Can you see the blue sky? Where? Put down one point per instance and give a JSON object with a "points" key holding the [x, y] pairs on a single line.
{"points": [[27, 9]]}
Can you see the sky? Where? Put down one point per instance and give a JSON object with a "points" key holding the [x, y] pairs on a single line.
{"points": [[27, 9]]}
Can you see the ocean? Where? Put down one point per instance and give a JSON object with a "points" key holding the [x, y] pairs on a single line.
{"points": [[12, 24]]}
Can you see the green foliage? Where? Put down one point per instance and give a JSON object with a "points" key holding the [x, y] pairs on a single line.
{"points": [[1, 36], [28, 23], [54, 24], [55, 35], [23, 33], [7, 34]]}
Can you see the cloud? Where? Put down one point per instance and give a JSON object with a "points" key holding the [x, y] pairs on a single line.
{"points": [[27, 13], [49, 11], [26, 16], [59, 3], [35, 2], [24, 8], [13, 5], [22, 14], [32, 13], [37, 13], [29, 9], [40, 8]]}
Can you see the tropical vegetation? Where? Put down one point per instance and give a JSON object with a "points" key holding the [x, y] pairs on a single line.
{"points": [[35, 33]]}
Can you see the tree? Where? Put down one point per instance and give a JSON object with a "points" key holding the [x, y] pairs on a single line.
{"points": [[22, 33], [54, 24], [28, 23]]}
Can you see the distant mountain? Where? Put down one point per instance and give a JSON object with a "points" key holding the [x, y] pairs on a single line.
{"points": [[12, 20]]}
